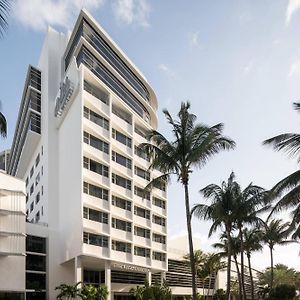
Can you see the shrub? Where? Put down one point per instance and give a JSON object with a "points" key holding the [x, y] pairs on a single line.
{"points": [[282, 292]]}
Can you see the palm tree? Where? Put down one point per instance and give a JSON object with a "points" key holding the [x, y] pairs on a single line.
{"points": [[4, 11], [247, 207], [137, 292], [69, 291], [275, 233], [193, 145], [235, 250], [252, 243], [288, 188], [221, 213], [3, 124]]}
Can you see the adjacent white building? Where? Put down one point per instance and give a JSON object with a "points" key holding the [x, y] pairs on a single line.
{"points": [[12, 237], [84, 111]]}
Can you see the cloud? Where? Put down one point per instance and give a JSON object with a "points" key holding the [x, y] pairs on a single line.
{"points": [[37, 14], [292, 7], [166, 70], [132, 11], [294, 68], [194, 39]]}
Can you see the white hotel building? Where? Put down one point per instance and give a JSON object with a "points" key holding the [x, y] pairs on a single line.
{"points": [[84, 110]]}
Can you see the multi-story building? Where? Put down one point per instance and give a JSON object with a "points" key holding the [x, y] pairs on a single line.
{"points": [[84, 111], [4, 160]]}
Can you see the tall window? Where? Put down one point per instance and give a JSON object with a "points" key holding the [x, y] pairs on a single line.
{"points": [[95, 191], [122, 138], [122, 160], [95, 166], [121, 246], [120, 224], [95, 118], [95, 215], [120, 202], [121, 181], [95, 239], [95, 142]]}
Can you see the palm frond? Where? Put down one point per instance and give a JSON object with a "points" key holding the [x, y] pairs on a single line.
{"points": [[5, 6]]}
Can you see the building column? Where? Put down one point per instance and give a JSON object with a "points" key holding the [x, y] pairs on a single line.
{"points": [[149, 277], [78, 270], [108, 280], [162, 277]]}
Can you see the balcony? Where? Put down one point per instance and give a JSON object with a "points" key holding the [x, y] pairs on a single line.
{"points": [[142, 222], [121, 125], [95, 104], [120, 212], [94, 153], [95, 178], [160, 265], [121, 235], [95, 129], [121, 256], [121, 148], [158, 228], [159, 246], [120, 169], [94, 202], [158, 210], [141, 241], [97, 251], [159, 193], [95, 227], [142, 261]]}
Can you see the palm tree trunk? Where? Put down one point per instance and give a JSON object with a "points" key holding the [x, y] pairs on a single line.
{"points": [[251, 276], [228, 264], [209, 283], [242, 264], [190, 238], [272, 267], [239, 276]]}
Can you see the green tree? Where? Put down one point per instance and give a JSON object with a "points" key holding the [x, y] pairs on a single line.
{"points": [[282, 275], [252, 243], [221, 212], [275, 233], [137, 292], [69, 291], [152, 292], [193, 145], [3, 124], [288, 189], [282, 292], [219, 295], [4, 12]]}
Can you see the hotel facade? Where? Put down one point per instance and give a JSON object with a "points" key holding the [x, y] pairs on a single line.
{"points": [[85, 109]]}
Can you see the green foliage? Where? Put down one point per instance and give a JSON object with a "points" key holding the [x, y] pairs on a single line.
{"points": [[3, 124], [152, 292], [219, 295], [282, 292], [86, 292], [282, 275]]}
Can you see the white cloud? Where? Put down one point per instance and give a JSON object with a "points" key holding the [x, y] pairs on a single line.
{"points": [[194, 39], [132, 11], [39, 14], [292, 7], [294, 68], [166, 70]]}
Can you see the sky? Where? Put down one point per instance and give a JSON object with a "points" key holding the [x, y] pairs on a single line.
{"points": [[237, 62]]}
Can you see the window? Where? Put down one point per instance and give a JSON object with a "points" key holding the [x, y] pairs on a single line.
{"points": [[95, 142], [27, 181], [95, 118], [95, 166], [95, 239], [140, 131], [122, 203], [158, 238], [159, 256], [31, 206], [95, 191], [139, 251], [121, 246], [122, 138], [37, 217], [140, 153], [37, 179], [121, 114], [95, 215], [142, 173], [96, 92], [37, 198], [121, 181], [35, 262], [143, 232], [42, 210], [37, 160], [159, 202], [35, 244], [31, 189], [141, 193], [159, 220], [42, 170], [31, 171], [42, 190], [141, 212], [120, 224], [122, 160], [92, 277], [26, 198]]}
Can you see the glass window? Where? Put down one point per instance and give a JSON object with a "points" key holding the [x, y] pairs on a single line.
{"points": [[37, 160], [140, 153], [122, 114], [121, 181], [31, 171], [159, 256], [95, 166], [31, 206], [142, 173], [95, 239], [159, 220], [122, 160], [159, 202], [143, 232], [95, 118], [122, 203], [95, 215], [37, 198], [120, 224], [121, 246], [141, 212], [139, 251], [158, 238], [96, 92], [140, 131], [122, 138], [95, 191], [95, 142], [37, 179], [35, 244], [141, 193]]}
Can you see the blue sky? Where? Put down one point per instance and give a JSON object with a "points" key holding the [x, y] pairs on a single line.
{"points": [[237, 62]]}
